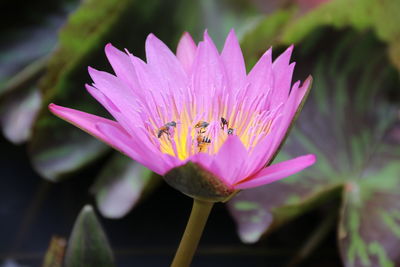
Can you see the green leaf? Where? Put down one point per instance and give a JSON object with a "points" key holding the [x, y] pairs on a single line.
{"points": [[351, 123], [287, 27], [57, 148], [121, 184], [88, 245], [26, 43]]}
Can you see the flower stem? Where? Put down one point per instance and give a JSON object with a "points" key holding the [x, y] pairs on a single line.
{"points": [[194, 229]]}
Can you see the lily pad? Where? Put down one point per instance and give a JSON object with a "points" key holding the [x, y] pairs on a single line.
{"points": [[88, 245], [121, 185], [351, 122]]}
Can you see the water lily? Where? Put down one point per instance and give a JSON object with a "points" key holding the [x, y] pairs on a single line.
{"points": [[197, 108], [198, 119]]}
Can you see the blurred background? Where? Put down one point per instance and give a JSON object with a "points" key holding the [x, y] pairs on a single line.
{"points": [[343, 211]]}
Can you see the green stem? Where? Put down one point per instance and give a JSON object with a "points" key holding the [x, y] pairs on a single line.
{"points": [[194, 229]]}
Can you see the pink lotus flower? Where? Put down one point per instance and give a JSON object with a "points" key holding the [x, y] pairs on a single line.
{"points": [[197, 108]]}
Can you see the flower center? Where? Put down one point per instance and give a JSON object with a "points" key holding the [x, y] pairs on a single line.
{"points": [[183, 138], [179, 139]]}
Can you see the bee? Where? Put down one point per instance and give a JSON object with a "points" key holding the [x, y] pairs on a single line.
{"points": [[202, 142], [201, 125], [165, 128], [223, 123]]}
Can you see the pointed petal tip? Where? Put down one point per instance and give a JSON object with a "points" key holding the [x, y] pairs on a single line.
{"points": [[231, 34], [288, 52], [306, 85], [91, 70], [108, 47], [56, 109], [206, 36], [278, 171], [186, 34], [52, 107], [150, 36], [310, 158], [309, 79]]}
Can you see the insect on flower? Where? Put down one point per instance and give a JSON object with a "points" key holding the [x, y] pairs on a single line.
{"points": [[202, 142], [207, 156], [224, 123], [201, 126], [165, 128]]}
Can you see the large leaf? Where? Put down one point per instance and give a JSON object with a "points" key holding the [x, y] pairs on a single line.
{"points": [[24, 49], [351, 123], [287, 27], [88, 245], [121, 185]]}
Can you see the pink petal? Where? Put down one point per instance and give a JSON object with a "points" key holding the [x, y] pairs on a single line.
{"points": [[117, 97], [228, 163], [282, 73], [281, 63], [303, 90], [165, 65], [125, 119], [208, 71], [122, 66], [260, 78], [111, 86], [281, 126], [282, 82], [233, 61], [87, 122], [134, 149], [277, 171], [186, 51]]}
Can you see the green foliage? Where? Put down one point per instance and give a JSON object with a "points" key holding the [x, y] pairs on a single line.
{"points": [[351, 123], [88, 245]]}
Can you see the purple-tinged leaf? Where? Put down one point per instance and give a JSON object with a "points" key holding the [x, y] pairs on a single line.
{"points": [[18, 113], [121, 184], [351, 122]]}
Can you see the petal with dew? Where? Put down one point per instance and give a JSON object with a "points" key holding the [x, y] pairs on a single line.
{"points": [[277, 171]]}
